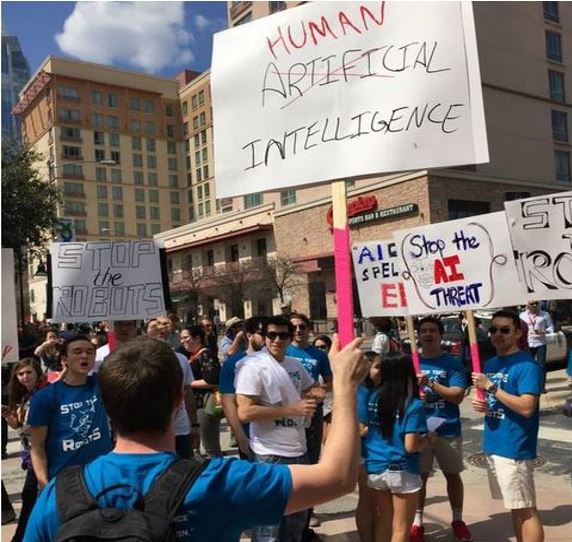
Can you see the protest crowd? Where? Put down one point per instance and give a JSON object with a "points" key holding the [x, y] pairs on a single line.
{"points": [[116, 413]]}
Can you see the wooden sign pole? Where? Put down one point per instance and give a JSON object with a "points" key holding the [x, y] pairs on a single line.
{"points": [[413, 342], [474, 346], [342, 263]]}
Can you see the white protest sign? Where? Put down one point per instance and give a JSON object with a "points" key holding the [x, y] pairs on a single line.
{"points": [[9, 314], [331, 90], [541, 233], [459, 264], [100, 280], [381, 292]]}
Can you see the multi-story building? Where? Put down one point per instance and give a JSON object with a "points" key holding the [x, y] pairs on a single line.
{"points": [[112, 141], [15, 74], [524, 50]]}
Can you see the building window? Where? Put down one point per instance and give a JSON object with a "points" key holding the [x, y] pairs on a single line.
{"points": [[562, 166], [80, 227], [204, 137], [134, 125], [169, 111], [195, 123], [154, 213], [199, 174], [71, 152], [556, 86], [200, 192], [194, 101], [98, 138], [205, 154], [136, 143], [117, 193], [276, 6], [101, 191], [287, 197], [119, 228], [205, 172], [140, 212], [553, 46], [170, 130], [97, 120], [137, 160], [70, 134], [252, 200], [142, 230], [114, 140], [350, 184], [202, 119], [463, 208], [175, 214], [72, 170], [116, 176], [150, 143], [103, 226], [173, 166], [559, 125], [207, 208], [151, 161], [96, 98], [174, 198], [173, 181], [185, 128], [74, 207], [68, 92], [148, 106], [102, 209], [101, 174], [139, 195], [116, 157], [246, 19], [134, 104], [154, 196], [99, 155], [197, 139], [118, 211], [149, 127], [113, 122], [73, 189], [155, 229], [261, 248], [551, 11], [210, 258], [152, 179], [185, 108], [207, 190], [201, 96], [112, 100], [234, 253], [138, 177], [171, 147], [69, 114]]}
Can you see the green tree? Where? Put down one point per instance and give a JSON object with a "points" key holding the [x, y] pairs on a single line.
{"points": [[29, 203]]}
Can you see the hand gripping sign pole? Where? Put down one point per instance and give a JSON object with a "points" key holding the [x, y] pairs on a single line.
{"points": [[342, 263], [475, 357]]}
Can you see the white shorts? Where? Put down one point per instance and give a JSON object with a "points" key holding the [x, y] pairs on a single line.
{"points": [[400, 482], [512, 480]]}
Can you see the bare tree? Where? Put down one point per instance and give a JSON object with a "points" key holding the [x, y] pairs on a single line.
{"points": [[233, 283], [281, 275]]}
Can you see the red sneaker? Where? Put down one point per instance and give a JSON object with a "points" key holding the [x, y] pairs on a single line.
{"points": [[462, 533], [416, 534]]}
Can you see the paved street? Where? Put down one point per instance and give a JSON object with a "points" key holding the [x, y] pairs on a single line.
{"points": [[488, 520]]}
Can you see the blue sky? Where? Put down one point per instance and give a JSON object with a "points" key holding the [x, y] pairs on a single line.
{"points": [[160, 38]]}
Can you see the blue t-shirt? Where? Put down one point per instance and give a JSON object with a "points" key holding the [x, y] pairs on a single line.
{"points": [[244, 494], [78, 431], [379, 453], [314, 360], [507, 433], [448, 371], [226, 379]]}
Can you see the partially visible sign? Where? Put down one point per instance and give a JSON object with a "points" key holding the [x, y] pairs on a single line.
{"points": [[333, 90], [356, 206], [459, 264], [9, 314], [65, 230], [541, 233], [100, 280], [381, 292], [375, 216]]}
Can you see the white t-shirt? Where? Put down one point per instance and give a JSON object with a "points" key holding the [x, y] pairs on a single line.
{"points": [[275, 384], [182, 424], [540, 321], [380, 344]]}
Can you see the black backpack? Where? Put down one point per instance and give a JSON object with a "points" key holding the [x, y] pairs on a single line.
{"points": [[149, 520]]}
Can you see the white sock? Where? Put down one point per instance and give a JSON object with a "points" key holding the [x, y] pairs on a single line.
{"points": [[418, 518], [457, 514]]}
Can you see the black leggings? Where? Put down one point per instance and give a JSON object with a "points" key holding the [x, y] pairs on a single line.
{"points": [[29, 495]]}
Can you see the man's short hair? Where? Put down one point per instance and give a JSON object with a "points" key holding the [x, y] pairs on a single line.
{"points": [[71, 340], [503, 313], [302, 317], [254, 324], [196, 331], [148, 323], [278, 320], [431, 320], [141, 384]]}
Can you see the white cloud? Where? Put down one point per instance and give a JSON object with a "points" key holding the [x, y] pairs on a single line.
{"points": [[202, 23], [147, 35]]}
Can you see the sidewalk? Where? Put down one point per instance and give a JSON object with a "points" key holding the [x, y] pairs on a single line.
{"points": [[487, 519]]}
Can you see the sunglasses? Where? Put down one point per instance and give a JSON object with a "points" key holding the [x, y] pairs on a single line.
{"points": [[301, 327], [273, 335], [321, 346], [505, 330]]}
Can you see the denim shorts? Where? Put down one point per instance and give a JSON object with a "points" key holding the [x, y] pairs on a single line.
{"points": [[400, 482]]}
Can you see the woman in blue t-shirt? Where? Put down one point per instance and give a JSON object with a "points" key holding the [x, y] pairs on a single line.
{"points": [[396, 433]]}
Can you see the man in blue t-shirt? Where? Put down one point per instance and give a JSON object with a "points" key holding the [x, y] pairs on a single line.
{"points": [[253, 333], [229, 495], [443, 380], [316, 362], [68, 423], [512, 381]]}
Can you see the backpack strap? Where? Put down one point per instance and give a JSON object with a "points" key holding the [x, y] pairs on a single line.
{"points": [[72, 495], [168, 492]]}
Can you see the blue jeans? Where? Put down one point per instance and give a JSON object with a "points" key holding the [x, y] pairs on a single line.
{"points": [[291, 527], [539, 354]]}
